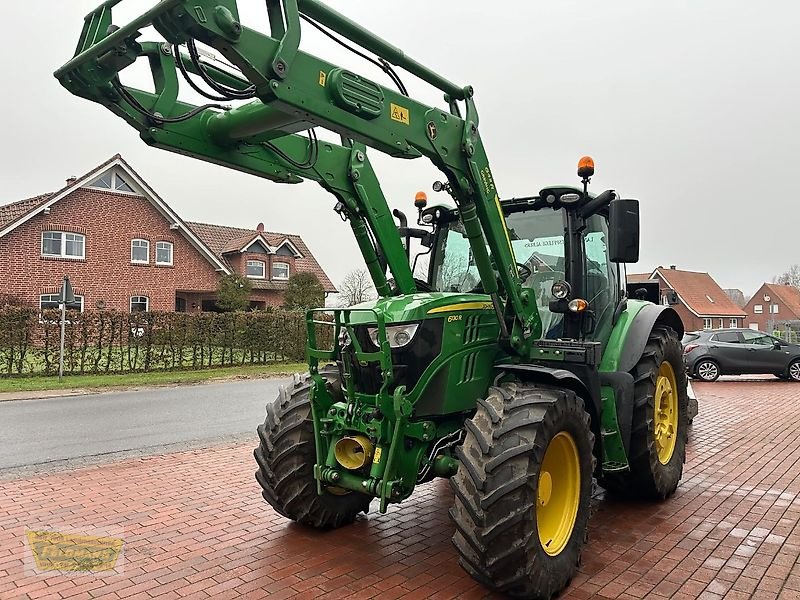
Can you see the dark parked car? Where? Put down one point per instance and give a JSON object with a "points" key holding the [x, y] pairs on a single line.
{"points": [[709, 354]]}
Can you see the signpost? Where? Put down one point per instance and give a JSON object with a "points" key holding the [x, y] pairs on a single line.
{"points": [[67, 296]]}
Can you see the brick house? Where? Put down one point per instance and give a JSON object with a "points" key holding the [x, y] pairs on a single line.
{"points": [[124, 248], [774, 307], [699, 301]]}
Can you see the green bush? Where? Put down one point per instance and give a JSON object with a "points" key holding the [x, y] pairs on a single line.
{"points": [[115, 342]]}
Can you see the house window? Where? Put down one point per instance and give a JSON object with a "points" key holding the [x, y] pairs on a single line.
{"points": [[255, 269], [140, 251], [280, 270], [721, 323], [773, 308], [110, 180], [708, 324], [50, 301], [63, 244], [140, 304], [758, 309], [733, 323], [164, 253]]}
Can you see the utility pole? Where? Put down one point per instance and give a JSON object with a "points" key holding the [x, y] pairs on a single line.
{"points": [[66, 296]]}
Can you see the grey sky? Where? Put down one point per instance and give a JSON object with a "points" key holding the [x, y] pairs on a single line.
{"points": [[692, 107]]}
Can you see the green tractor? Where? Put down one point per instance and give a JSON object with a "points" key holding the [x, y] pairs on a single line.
{"points": [[517, 367]]}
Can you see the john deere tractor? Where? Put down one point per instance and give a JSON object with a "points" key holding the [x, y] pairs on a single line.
{"points": [[517, 367]]}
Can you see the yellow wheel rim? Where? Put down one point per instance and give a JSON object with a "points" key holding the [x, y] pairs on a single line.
{"points": [[559, 493], [665, 425]]}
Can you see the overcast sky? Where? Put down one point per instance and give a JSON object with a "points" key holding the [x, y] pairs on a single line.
{"points": [[691, 107]]}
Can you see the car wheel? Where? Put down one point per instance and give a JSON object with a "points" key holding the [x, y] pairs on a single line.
{"points": [[708, 370], [794, 371]]}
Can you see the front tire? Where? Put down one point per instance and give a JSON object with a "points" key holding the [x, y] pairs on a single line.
{"points": [[522, 490], [286, 456], [660, 421]]}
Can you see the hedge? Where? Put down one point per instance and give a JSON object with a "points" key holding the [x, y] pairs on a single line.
{"points": [[116, 342]]}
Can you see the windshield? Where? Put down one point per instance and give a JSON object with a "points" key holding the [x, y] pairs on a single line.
{"points": [[537, 238]]}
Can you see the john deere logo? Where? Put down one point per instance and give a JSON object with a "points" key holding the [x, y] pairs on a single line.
{"points": [[432, 130], [54, 551]]}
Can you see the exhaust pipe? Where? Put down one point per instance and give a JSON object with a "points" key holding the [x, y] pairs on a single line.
{"points": [[353, 452]]}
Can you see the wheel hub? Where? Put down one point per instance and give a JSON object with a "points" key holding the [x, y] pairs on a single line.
{"points": [[558, 493], [665, 424]]}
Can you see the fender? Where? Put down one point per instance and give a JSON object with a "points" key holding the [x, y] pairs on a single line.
{"points": [[584, 381], [631, 332]]}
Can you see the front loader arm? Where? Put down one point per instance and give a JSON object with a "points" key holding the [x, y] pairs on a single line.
{"points": [[295, 89]]}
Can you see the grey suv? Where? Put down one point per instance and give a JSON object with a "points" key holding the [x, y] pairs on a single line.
{"points": [[709, 354]]}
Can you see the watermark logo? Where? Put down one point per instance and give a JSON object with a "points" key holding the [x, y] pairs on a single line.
{"points": [[57, 551]]}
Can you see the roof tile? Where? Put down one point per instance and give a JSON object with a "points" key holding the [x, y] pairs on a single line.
{"points": [[221, 239], [700, 293], [11, 212]]}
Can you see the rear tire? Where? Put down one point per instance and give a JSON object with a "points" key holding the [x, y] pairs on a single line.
{"points": [[508, 534], [655, 470], [286, 456], [707, 370]]}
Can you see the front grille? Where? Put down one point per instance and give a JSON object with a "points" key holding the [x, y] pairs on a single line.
{"points": [[408, 362]]}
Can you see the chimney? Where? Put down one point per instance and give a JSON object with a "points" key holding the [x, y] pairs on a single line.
{"points": [[260, 227], [672, 267], [71, 180]]}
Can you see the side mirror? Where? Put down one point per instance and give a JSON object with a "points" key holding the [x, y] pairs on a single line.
{"points": [[623, 231], [776, 345]]}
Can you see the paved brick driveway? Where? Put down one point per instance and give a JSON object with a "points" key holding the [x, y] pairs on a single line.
{"points": [[195, 525]]}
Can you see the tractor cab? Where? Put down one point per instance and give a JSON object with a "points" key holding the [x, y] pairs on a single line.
{"points": [[570, 247]]}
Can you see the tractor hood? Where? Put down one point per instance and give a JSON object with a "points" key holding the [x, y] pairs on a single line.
{"points": [[416, 307]]}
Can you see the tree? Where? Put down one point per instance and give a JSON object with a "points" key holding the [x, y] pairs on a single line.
{"points": [[790, 277], [356, 287], [304, 291], [233, 293]]}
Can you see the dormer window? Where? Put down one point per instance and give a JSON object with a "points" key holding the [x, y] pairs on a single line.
{"points": [[111, 180], [280, 271], [255, 269]]}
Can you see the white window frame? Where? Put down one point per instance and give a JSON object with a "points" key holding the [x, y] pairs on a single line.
{"points": [[78, 298], [758, 309], [114, 184], [773, 309], [733, 323], [146, 303], [722, 324], [256, 262], [171, 247], [708, 324], [280, 278], [63, 252], [146, 245]]}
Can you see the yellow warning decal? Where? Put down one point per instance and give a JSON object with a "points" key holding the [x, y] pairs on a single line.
{"points": [[462, 306], [377, 458], [322, 78], [400, 114]]}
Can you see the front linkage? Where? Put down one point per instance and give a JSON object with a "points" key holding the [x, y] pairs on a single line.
{"points": [[365, 442]]}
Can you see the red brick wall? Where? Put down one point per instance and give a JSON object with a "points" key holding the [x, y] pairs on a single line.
{"points": [[109, 221], [692, 322], [766, 321]]}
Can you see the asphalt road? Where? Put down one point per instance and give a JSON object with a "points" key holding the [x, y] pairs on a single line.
{"points": [[62, 431]]}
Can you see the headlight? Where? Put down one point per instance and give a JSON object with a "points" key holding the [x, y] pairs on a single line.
{"points": [[560, 290], [398, 335]]}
